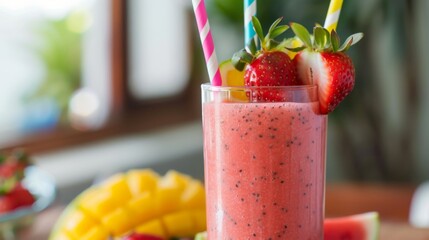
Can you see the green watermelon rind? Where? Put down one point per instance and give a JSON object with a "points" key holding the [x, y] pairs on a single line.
{"points": [[371, 221]]}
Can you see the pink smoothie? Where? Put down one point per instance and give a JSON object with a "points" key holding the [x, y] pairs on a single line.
{"points": [[264, 170]]}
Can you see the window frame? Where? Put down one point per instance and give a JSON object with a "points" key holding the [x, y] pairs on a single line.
{"points": [[128, 115]]}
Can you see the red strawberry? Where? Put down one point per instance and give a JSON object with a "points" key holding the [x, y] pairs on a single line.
{"points": [[271, 69], [12, 170], [324, 63], [268, 67], [7, 204], [140, 236], [21, 196]]}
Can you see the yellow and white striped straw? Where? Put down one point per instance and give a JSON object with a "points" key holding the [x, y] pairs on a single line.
{"points": [[333, 15]]}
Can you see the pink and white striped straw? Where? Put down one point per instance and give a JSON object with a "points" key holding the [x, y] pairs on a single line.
{"points": [[207, 42]]}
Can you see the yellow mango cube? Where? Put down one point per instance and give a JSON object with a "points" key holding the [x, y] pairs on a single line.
{"points": [[96, 233], [78, 223], [199, 219], [118, 187], [142, 180], [153, 227], [175, 179], [118, 222], [193, 197], [142, 208], [167, 199], [98, 202], [169, 191], [179, 224]]}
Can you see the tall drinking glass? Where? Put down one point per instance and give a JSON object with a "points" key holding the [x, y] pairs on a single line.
{"points": [[264, 162]]}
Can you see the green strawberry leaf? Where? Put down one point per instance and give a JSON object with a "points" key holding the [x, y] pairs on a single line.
{"points": [[278, 31], [346, 45], [272, 44], [297, 49], [302, 33], [320, 38], [252, 46], [258, 28], [335, 41], [353, 39], [240, 59], [272, 27]]}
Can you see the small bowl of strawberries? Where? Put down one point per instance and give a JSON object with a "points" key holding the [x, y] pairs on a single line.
{"points": [[25, 190]]}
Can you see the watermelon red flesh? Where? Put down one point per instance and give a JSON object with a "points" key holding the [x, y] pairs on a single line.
{"points": [[357, 227]]}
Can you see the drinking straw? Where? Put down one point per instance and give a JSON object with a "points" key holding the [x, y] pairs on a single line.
{"points": [[207, 42], [333, 15], [249, 11]]}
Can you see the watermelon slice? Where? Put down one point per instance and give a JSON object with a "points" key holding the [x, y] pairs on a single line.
{"points": [[363, 226]]}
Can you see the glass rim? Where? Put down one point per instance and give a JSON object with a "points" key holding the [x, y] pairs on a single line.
{"points": [[210, 87]]}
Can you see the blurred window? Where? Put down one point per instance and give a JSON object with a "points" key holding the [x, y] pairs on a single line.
{"points": [[159, 43], [82, 70], [40, 63]]}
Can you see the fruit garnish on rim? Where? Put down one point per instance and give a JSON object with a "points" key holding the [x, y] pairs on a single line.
{"points": [[322, 61], [232, 77], [268, 67]]}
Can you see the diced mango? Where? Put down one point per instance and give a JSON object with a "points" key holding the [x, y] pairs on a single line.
{"points": [[118, 187], [193, 196], [175, 179], [142, 208], [138, 200], [153, 227], [78, 223], [96, 233], [118, 222], [169, 191], [166, 199], [97, 202], [179, 224], [143, 180], [199, 218]]}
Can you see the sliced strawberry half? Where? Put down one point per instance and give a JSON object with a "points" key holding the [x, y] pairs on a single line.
{"points": [[323, 62], [333, 73]]}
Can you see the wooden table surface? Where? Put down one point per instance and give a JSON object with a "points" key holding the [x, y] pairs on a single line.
{"points": [[392, 202]]}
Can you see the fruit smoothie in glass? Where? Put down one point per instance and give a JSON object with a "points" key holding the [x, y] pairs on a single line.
{"points": [[264, 163]]}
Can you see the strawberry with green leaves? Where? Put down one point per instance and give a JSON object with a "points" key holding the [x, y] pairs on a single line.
{"points": [[13, 194], [323, 62], [12, 168], [268, 67]]}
